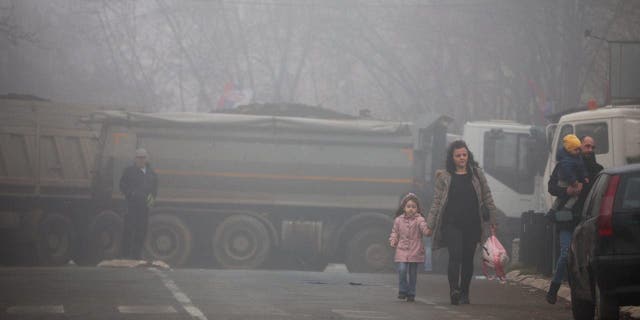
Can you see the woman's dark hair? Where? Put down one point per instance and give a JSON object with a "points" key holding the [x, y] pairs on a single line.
{"points": [[407, 198], [451, 165]]}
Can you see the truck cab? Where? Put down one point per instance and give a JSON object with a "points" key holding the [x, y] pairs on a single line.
{"points": [[512, 156]]}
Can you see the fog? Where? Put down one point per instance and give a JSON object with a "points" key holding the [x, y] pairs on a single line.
{"points": [[401, 59]]}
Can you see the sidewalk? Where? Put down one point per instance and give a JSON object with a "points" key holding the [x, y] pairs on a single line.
{"points": [[539, 282]]}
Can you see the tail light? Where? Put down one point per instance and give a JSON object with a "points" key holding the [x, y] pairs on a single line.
{"points": [[605, 218]]}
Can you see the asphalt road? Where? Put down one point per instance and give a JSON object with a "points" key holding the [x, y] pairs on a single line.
{"points": [[145, 293]]}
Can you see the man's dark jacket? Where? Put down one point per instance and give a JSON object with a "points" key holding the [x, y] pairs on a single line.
{"points": [[592, 168], [137, 185]]}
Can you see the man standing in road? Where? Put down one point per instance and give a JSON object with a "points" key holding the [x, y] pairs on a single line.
{"points": [[565, 229], [139, 184]]}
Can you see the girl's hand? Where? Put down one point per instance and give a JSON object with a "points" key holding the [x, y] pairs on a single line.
{"points": [[429, 232], [392, 243]]}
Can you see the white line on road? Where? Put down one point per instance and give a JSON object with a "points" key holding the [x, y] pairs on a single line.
{"points": [[146, 309], [56, 309], [184, 300], [361, 314], [425, 301]]}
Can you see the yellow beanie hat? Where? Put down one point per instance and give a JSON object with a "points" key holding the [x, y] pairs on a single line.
{"points": [[571, 142]]}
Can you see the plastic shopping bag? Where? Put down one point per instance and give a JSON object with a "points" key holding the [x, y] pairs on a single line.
{"points": [[494, 256]]}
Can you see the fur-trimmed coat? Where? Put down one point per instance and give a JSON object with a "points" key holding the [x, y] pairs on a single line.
{"points": [[440, 195]]}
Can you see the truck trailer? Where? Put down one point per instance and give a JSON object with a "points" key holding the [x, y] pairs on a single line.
{"points": [[235, 190]]}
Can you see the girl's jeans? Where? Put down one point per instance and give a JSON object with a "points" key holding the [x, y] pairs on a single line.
{"points": [[564, 237], [407, 270]]}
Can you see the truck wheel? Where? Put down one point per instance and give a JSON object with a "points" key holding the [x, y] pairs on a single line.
{"points": [[55, 239], [241, 242], [368, 251], [606, 306], [168, 239], [104, 237]]}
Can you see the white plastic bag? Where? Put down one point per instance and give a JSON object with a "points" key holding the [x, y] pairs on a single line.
{"points": [[494, 256]]}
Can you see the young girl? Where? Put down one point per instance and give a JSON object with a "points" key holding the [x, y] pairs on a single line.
{"points": [[406, 236]]}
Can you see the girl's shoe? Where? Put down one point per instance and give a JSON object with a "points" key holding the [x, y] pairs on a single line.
{"points": [[455, 297], [402, 296], [411, 298]]}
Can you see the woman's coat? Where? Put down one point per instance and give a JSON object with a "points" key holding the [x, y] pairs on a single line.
{"points": [[440, 194], [406, 234]]}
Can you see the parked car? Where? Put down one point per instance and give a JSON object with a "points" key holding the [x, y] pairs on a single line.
{"points": [[604, 258]]}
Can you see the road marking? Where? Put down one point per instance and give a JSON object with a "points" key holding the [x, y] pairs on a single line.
{"points": [[259, 309], [184, 300], [56, 309], [146, 309], [361, 314], [425, 301]]}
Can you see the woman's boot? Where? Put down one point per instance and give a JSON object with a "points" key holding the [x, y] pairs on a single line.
{"points": [[552, 294], [454, 294], [464, 296]]}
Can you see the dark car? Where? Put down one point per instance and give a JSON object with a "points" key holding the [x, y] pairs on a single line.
{"points": [[604, 258]]}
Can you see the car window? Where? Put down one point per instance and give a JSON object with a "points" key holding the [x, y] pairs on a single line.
{"points": [[594, 199], [629, 193]]}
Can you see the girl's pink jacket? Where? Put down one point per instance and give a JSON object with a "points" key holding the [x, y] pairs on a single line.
{"points": [[406, 236]]}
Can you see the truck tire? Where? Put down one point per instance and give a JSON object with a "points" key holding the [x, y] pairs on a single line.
{"points": [[368, 251], [168, 239], [55, 240], [606, 306], [104, 237], [241, 242]]}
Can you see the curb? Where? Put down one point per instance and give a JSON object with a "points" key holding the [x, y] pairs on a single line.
{"points": [[538, 282], [541, 283]]}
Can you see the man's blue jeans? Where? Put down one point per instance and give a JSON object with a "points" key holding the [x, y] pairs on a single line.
{"points": [[407, 270], [564, 236]]}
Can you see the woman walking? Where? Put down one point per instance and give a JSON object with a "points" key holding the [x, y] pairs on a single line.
{"points": [[456, 219]]}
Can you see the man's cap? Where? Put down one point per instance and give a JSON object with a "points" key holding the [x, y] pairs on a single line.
{"points": [[142, 153], [571, 142]]}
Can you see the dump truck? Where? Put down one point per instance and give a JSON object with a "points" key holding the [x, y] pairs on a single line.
{"points": [[46, 160], [235, 190]]}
